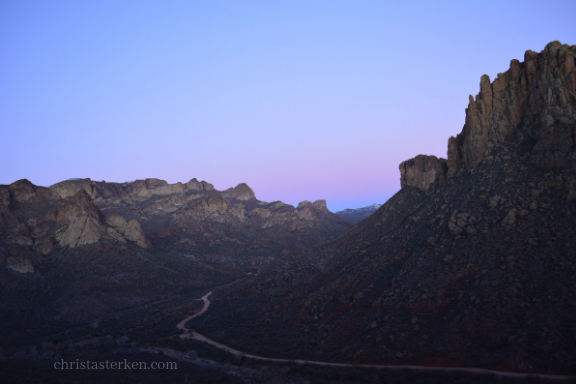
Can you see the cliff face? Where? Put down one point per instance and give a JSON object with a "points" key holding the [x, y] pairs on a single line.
{"points": [[127, 193], [533, 102], [423, 172]]}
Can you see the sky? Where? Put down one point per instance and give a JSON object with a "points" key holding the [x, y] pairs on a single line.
{"points": [[301, 100]]}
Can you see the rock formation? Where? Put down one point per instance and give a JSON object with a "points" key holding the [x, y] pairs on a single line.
{"points": [[318, 204], [130, 192], [533, 104], [123, 230], [535, 101], [23, 191], [423, 172], [79, 221], [241, 192]]}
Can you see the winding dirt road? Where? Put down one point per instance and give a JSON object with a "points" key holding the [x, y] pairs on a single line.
{"points": [[181, 325], [189, 334]]}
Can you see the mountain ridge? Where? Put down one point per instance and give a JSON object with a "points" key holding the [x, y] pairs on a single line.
{"points": [[358, 214]]}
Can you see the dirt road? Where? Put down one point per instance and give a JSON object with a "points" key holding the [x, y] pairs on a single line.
{"points": [[194, 335]]}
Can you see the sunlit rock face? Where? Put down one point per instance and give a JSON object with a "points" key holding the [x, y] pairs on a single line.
{"points": [[79, 221], [532, 103], [423, 172]]}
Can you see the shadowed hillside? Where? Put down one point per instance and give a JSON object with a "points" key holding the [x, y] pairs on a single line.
{"points": [[471, 263]]}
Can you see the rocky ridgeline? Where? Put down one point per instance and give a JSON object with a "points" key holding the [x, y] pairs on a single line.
{"points": [[127, 193], [80, 212], [532, 104], [80, 248], [39, 218]]}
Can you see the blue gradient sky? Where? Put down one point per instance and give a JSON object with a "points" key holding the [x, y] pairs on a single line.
{"points": [[299, 99]]}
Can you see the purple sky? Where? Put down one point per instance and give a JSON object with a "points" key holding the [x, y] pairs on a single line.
{"points": [[299, 99]]}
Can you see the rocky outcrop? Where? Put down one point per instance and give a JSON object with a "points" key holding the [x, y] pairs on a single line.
{"points": [[69, 188], [534, 102], [123, 230], [423, 172], [104, 193], [213, 204], [241, 192], [23, 191], [304, 203], [79, 221], [320, 205]]}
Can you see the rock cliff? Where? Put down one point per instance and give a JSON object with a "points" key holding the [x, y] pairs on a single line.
{"points": [[423, 172], [534, 103], [79, 221]]}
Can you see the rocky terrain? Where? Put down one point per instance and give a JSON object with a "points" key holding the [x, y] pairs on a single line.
{"points": [[471, 263], [220, 228], [358, 214], [81, 249]]}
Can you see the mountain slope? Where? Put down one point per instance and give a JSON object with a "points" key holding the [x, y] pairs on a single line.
{"points": [[81, 249], [471, 263]]}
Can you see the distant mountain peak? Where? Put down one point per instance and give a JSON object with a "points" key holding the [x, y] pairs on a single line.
{"points": [[358, 214]]}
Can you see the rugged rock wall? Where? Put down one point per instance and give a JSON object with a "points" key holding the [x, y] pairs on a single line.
{"points": [[423, 172], [80, 222], [128, 192], [534, 100], [533, 103]]}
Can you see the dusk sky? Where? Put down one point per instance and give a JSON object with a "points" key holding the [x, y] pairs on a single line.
{"points": [[301, 100]]}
